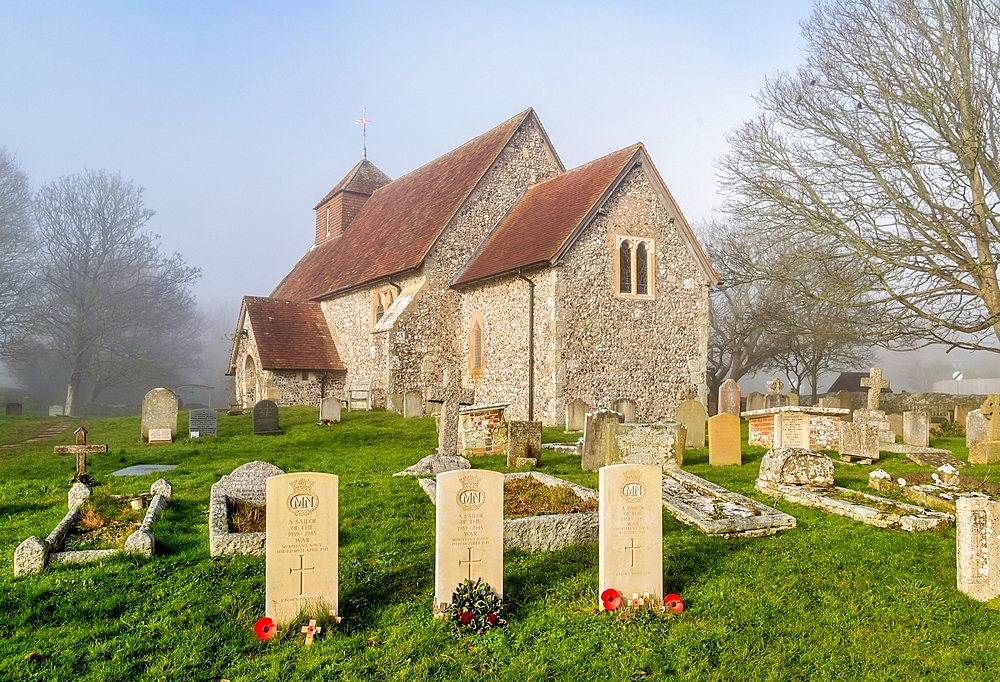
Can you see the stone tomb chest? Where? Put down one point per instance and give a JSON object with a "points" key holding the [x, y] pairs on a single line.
{"points": [[482, 430], [815, 428], [241, 491]]}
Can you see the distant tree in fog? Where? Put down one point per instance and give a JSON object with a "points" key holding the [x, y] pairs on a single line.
{"points": [[16, 248]]}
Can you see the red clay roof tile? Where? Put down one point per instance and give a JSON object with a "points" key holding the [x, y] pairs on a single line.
{"points": [[364, 178], [292, 335]]}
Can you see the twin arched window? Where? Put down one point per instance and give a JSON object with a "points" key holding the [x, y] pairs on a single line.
{"points": [[634, 266]]}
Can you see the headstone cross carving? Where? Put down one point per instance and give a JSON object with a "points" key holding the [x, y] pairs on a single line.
{"points": [[301, 570], [80, 450], [874, 383], [469, 562], [452, 396]]}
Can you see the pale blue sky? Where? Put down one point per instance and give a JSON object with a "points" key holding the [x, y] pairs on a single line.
{"points": [[239, 117]]}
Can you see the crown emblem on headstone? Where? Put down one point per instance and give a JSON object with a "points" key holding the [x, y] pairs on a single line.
{"points": [[633, 475], [470, 481], [303, 485]]}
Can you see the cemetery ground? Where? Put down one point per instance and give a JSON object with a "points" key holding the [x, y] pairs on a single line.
{"points": [[829, 599]]}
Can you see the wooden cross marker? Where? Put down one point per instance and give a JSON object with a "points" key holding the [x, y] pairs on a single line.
{"points": [[311, 631], [80, 450], [874, 383]]}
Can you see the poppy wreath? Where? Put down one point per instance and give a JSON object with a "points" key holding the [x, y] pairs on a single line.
{"points": [[476, 606]]}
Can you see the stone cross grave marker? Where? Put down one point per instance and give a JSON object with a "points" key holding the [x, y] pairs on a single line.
{"points": [[724, 447], [874, 383], [329, 410], [692, 414], [203, 423], [916, 427], [413, 404], [576, 415], [265, 418], [729, 397], [630, 518], [159, 411], [451, 396], [774, 397], [987, 450], [302, 547], [81, 449], [595, 438], [468, 532]]}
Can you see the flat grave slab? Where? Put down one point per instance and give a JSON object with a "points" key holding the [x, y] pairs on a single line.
{"points": [[930, 457], [143, 469], [938, 490]]}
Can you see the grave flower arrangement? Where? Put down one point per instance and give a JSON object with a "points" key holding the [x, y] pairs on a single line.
{"points": [[476, 606], [629, 607]]}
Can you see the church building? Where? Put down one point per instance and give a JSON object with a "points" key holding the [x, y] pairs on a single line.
{"points": [[541, 285]]}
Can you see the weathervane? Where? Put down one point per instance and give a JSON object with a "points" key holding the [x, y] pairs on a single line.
{"points": [[363, 122]]}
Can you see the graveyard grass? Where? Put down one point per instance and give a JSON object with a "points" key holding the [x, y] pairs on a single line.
{"points": [[829, 600]]}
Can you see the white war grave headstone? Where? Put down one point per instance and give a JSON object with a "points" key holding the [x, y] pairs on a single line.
{"points": [[159, 411], [630, 545], [469, 532], [302, 546]]}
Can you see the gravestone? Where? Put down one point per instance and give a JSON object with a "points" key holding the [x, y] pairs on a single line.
{"points": [[468, 532], [774, 397], [874, 383], [858, 442], [660, 444], [626, 407], [792, 430], [959, 414], [846, 401], [451, 396], [203, 423], [524, 441], [630, 545], [413, 404], [724, 447], [987, 451], [833, 402], [729, 397], [975, 428], [13, 408], [482, 430], [159, 437], [55, 410], [394, 403], [915, 428], [265, 418], [755, 401], [793, 399], [896, 424], [159, 411], [329, 410], [796, 466], [302, 545], [977, 547], [595, 438], [692, 414], [576, 414]]}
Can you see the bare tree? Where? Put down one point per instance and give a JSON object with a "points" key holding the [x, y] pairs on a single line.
{"points": [[883, 153], [16, 248], [115, 309]]}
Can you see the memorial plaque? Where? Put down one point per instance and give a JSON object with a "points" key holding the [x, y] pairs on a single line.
{"points": [[630, 546], [159, 411], [792, 430], [203, 423], [469, 531], [729, 397], [302, 550], [724, 446], [329, 410], [159, 436], [265, 418], [692, 414]]}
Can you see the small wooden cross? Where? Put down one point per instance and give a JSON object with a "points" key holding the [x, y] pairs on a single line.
{"points": [[874, 383], [311, 631], [80, 450]]}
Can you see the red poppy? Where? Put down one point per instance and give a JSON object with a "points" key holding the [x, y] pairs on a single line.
{"points": [[610, 599], [491, 618], [265, 629], [466, 617], [673, 602]]}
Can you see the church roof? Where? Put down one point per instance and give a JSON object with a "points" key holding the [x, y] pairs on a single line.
{"points": [[292, 335], [364, 178], [401, 221], [546, 216]]}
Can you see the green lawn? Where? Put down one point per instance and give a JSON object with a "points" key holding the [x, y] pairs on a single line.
{"points": [[17, 429], [829, 600]]}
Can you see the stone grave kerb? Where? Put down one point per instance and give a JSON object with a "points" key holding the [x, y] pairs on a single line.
{"points": [[874, 383]]}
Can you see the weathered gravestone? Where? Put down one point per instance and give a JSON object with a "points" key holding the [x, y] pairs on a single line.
{"points": [[394, 403], [755, 401], [302, 545], [795, 466], [576, 414], [524, 441], [724, 447], [692, 414], [329, 410], [246, 485], [829, 402], [959, 414], [627, 408], [915, 428], [468, 532], [265, 418], [729, 398], [413, 404], [660, 444], [159, 411], [859, 442], [792, 430], [203, 423], [793, 399], [595, 438], [55, 410], [451, 396], [987, 451], [977, 547], [630, 548], [896, 424], [975, 428], [13, 408]]}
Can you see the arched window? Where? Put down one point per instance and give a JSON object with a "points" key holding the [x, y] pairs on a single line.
{"points": [[625, 268], [379, 311], [641, 266]]}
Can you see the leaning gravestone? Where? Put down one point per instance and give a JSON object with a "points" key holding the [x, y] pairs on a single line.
{"points": [[413, 404], [595, 438], [729, 397], [576, 414], [468, 531], [915, 428], [203, 423], [265, 418], [724, 446], [977, 547], [329, 410], [159, 411], [859, 442], [13, 408], [630, 548], [302, 546], [626, 407], [692, 414]]}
